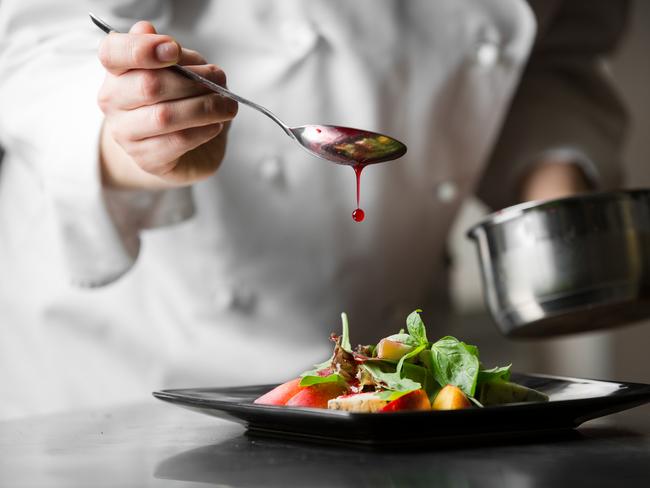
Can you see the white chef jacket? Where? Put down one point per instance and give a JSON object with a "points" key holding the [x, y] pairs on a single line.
{"points": [[107, 295]]}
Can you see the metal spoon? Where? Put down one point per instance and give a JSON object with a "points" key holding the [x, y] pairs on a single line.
{"points": [[342, 145]]}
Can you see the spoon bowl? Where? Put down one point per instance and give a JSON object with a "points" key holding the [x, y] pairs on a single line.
{"points": [[345, 145]]}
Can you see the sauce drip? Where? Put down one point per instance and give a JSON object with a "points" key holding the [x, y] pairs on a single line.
{"points": [[358, 215], [351, 147]]}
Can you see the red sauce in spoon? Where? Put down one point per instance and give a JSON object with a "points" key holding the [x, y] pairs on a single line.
{"points": [[353, 147]]}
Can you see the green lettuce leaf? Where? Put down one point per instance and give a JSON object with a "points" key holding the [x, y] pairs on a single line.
{"points": [[381, 373], [309, 380], [412, 377], [499, 373], [318, 367], [392, 395], [345, 345], [409, 355], [421, 375], [345, 335]]}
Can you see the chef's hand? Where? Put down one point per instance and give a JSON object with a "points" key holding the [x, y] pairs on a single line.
{"points": [[554, 179], [161, 130]]}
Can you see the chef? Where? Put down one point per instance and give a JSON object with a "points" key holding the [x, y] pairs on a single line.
{"points": [[152, 235]]}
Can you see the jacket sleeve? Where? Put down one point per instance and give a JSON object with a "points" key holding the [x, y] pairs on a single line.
{"points": [[565, 106], [51, 122]]}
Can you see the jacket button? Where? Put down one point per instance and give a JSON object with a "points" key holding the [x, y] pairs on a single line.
{"points": [[299, 36], [271, 169], [487, 54], [223, 298], [235, 298], [488, 47], [245, 300], [446, 191]]}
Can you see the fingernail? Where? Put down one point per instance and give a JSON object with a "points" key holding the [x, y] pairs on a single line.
{"points": [[167, 52]]}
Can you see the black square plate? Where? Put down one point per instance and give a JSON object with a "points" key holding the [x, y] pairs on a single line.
{"points": [[572, 402]]}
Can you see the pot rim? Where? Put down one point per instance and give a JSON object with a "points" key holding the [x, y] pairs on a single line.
{"points": [[515, 211]]}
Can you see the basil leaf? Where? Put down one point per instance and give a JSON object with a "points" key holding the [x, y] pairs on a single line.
{"points": [[317, 380], [416, 328], [499, 373], [455, 363], [402, 338], [472, 349]]}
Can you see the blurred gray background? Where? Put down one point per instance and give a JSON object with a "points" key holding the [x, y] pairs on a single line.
{"points": [[620, 354]]}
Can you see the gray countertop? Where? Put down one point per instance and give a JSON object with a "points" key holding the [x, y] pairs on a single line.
{"points": [[155, 444]]}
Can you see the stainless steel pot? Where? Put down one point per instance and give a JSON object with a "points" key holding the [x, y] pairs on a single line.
{"points": [[567, 265]]}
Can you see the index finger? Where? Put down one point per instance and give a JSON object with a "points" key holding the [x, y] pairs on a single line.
{"points": [[122, 52]]}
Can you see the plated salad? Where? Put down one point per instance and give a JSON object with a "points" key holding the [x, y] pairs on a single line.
{"points": [[404, 371]]}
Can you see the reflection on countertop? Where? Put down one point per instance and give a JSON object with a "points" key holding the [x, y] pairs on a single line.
{"points": [[160, 445], [556, 459]]}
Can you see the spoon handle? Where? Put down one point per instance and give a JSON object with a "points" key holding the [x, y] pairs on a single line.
{"points": [[181, 70]]}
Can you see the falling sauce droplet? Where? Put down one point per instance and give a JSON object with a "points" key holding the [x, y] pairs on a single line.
{"points": [[318, 130], [358, 215]]}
